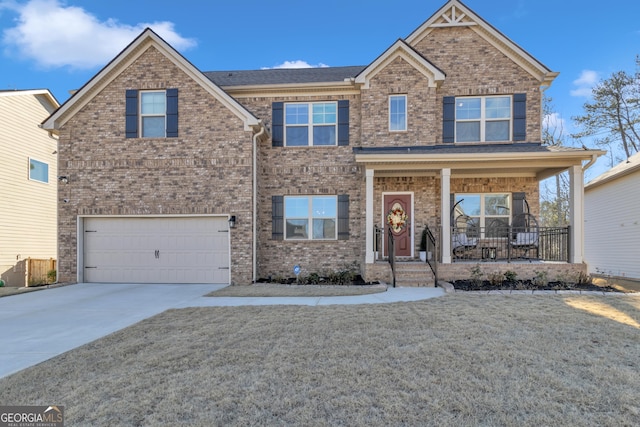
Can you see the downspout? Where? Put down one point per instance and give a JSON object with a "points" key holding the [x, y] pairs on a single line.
{"points": [[594, 157], [255, 201]]}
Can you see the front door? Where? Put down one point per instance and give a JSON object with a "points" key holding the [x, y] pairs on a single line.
{"points": [[397, 217]]}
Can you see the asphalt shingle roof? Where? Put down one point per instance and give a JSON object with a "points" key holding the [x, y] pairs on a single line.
{"points": [[283, 75]]}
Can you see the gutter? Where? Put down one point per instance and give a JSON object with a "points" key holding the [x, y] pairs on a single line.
{"points": [[263, 129], [594, 157]]}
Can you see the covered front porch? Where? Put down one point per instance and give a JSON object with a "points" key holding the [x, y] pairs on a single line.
{"points": [[435, 179]]}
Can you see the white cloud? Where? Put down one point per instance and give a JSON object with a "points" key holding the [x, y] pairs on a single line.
{"points": [[587, 80], [55, 35], [297, 64], [553, 121]]}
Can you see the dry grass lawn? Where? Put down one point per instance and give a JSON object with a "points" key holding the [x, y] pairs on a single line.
{"points": [[460, 360]]}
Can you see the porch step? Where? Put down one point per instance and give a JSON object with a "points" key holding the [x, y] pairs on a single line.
{"points": [[414, 274]]}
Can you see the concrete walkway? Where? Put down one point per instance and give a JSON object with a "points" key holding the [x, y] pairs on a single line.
{"points": [[39, 325]]}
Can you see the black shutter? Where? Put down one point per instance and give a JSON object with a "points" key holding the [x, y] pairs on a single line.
{"points": [[518, 209], [520, 117], [277, 217], [448, 119], [277, 124], [343, 217], [343, 123], [172, 113], [131, 113]]}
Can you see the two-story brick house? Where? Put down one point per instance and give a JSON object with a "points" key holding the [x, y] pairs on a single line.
{"points": [[179, 175]]}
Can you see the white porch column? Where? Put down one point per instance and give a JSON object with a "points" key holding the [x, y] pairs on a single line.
{"points": [[445, 191], [370, 255], [576, 213]]}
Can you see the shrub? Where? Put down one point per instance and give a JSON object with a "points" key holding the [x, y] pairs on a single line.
{"points": [[511, 276], [540, 279], [496, 278], [476, 275], [51, 276]]}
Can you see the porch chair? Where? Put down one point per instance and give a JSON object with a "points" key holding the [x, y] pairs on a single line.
{"points": [[526, 235], [463, 245]]}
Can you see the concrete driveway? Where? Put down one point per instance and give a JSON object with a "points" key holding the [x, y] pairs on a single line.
{"points": [[37, 326]]}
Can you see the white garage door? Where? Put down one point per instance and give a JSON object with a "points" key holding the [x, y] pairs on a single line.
{"points": [[156, 250]]}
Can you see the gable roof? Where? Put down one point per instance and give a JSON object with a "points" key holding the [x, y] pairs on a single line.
{"points": [[631, 165], [44, 94], [148, 38], [455, 14], [400, 49]]}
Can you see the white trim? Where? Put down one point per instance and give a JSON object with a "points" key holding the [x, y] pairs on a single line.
{"points": [[141, 116], [369, 203], [29, 170], [406, 112], [401, 50], [445, 214]]}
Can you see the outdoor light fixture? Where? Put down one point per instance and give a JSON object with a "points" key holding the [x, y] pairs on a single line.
{"points": [[232, 221], [63, 179]]}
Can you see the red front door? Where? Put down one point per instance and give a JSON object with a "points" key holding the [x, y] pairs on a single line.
{"points": [[397, 216]]}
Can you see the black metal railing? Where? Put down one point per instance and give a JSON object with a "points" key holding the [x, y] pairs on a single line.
{"points": [[510, 243], [432, 252], [392, 254]]}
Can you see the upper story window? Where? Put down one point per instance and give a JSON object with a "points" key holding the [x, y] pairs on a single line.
{"points": [[311, 217], [38, 171], [483, 119], [398, 112], [310, 124], [153, 110], [151, 113]]}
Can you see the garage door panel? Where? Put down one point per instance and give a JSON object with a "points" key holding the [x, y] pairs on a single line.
{"points": [[156, 250]]}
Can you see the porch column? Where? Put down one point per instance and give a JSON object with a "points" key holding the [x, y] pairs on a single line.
{"points": [[445, 218], [576, 213], [370, 258]]}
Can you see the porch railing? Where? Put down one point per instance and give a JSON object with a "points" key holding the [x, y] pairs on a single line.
{"points": [[432, 253], [510, 243]]}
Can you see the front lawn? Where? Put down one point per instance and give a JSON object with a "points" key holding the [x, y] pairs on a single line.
{"points": [[463, 359]]}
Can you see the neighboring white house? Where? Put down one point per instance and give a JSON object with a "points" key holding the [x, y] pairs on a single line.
{"points": [[612, 221], [28, 182]]}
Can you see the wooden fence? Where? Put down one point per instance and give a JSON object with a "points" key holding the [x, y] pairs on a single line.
{"points": [[37, 271]]}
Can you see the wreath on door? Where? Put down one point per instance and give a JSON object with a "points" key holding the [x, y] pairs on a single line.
{"points": [[397, 218]]}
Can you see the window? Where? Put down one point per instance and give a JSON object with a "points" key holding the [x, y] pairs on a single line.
{"points": [[151, 114], [398, 112], [310, 217], [483, 119], [490, 212], [38, 171], [310, 124], [153, 108]]}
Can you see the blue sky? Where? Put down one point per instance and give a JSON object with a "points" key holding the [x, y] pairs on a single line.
{"points": [[60, 44]]}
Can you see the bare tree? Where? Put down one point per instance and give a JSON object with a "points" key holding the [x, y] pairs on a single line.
{"points": [[613, 117], [554, 203]]}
